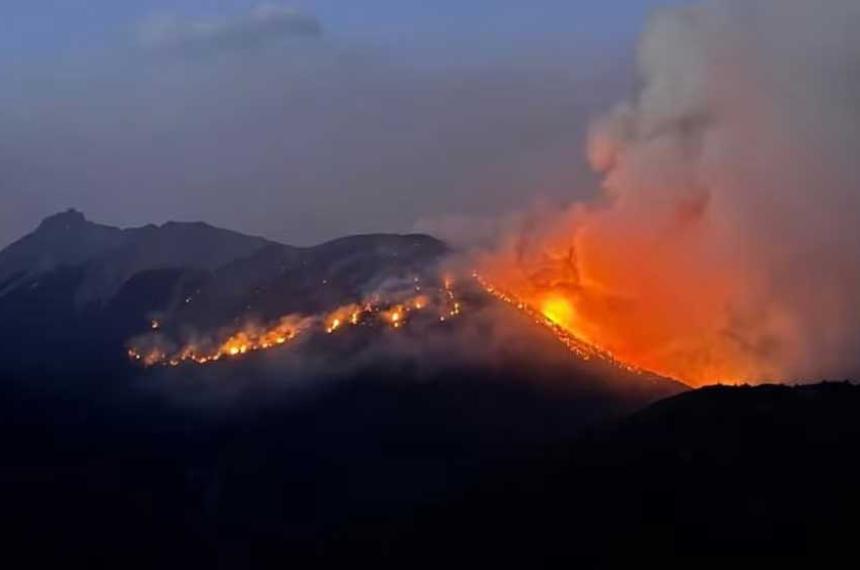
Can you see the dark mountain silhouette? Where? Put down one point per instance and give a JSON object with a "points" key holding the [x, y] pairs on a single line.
{"points": [[82, 290], [480, 440], [279, 280], [63, 239], [111, 256], [768, 472], [291, 454], [78, 290]]}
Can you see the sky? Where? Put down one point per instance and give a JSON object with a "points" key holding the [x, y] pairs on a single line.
{"points": [[304, 120]]}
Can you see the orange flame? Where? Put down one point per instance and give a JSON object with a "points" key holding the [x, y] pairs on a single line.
{"points": [[549, 316], [255, 338], [646, 304]]}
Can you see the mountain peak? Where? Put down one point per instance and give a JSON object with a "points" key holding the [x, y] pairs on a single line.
{"points": [[64, 220]]}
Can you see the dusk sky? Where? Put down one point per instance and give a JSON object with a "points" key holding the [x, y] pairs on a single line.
{"points": [[328, 283], [337, 118]]}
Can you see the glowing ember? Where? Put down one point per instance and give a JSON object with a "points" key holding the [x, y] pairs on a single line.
{"points": [[255, 338], [395, 316]]}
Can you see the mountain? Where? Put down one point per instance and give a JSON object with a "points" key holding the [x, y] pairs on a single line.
{"points": [[280, 452], [112, 255], [478, 439], [280, 280], [80, 290], [63, 239]]}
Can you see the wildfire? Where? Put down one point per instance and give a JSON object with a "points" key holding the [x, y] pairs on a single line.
{"points": [[556, 315], [251, 339], [558, 310], [395, 317], [149, 350], [637, 315], [552, 309]]}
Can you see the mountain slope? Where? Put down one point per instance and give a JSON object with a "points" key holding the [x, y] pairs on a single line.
{"points": [[277, 281], [280, 452], [764, 471], [113, 255], [79, 291], [65, 239]]}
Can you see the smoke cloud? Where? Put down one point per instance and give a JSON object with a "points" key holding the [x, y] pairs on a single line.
{"points": [[726, 242]]}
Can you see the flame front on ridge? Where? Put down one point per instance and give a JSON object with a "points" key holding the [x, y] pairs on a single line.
{"points": [[149, 350]]}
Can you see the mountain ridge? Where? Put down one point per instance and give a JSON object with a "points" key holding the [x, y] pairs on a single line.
{"points": [[115, 254], [308, 442]]}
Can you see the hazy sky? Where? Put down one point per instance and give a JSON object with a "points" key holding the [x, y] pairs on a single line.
{"points": [[335, 118]]}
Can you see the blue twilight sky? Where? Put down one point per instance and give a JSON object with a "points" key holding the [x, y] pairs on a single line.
{"points": [[399, 114], [451, 28]]}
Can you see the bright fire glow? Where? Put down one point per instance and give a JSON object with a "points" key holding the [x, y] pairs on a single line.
{"points": [[558, 310], [557, 307], [149, 350], [633, 310]]}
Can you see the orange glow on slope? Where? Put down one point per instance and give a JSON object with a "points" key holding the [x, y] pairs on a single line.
{"points": [[573, 341], [395, 316], [650, 304], [149, 350]]}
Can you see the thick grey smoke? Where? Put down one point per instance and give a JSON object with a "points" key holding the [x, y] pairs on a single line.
{"points": [[728, 243]]}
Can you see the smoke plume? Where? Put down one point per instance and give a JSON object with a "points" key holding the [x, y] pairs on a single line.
{"points": [[725, 245]]}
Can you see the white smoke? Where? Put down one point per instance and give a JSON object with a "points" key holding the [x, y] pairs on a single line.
{"points": [[738, 161], [726, 242]]}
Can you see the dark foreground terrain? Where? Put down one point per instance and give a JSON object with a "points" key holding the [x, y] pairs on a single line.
{"points": [[763, 472], [767, 471]]}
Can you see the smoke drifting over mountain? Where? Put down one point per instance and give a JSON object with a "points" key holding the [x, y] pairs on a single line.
{"points": [[727, 242], [724, 246]]}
